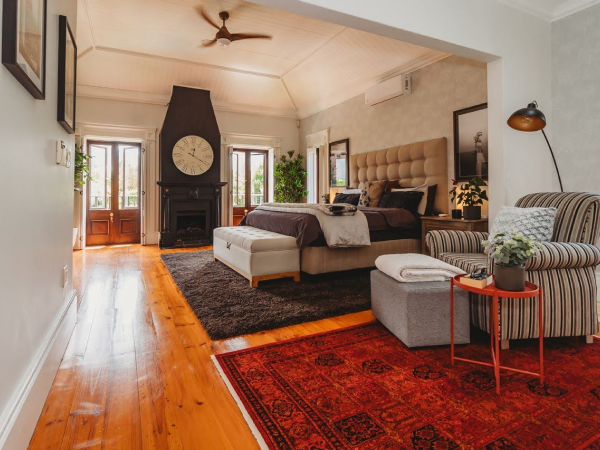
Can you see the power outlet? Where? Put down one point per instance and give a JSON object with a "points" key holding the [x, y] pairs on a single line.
{"points": [[65, 276]]}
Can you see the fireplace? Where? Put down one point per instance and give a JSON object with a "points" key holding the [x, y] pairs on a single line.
{"points": [[190, 227], [189, 213]]}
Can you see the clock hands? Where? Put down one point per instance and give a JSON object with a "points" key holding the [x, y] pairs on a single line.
{"points": [[193, 156]]}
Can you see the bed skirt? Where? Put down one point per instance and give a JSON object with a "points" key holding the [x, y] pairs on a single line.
{"points": [[316, 260]]}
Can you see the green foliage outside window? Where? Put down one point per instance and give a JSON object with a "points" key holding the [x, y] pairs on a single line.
{"points": [[290, 179]]}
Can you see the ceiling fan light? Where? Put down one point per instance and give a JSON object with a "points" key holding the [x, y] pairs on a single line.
{"points": [[223, 42]]}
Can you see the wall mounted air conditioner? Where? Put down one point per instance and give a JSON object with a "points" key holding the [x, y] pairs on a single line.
{"points": [[394, 87]]}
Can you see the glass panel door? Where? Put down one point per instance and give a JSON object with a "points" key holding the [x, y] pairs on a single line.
{"points": [[250, 181], [258, 182], [113, 219], [101, 173]]}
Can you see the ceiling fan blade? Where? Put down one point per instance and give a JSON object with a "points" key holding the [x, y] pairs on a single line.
{"points": [[208, 43], [240, 36], [200, 10]]}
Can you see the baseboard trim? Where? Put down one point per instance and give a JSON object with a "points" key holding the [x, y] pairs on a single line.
{"points": [[16, 431]]}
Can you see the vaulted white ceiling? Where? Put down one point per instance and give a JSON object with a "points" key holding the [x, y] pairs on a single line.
{"points": [[551, 9], [138, 49]]}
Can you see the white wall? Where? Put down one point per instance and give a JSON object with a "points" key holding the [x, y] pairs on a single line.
{"points": [[130, 114], [515, 44], [576, 99], [35, 223]]}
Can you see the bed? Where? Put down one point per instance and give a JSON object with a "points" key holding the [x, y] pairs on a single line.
{"points": [[391, 231]]}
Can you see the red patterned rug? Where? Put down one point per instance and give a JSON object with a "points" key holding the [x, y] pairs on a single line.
{"points": [[361, 388]]}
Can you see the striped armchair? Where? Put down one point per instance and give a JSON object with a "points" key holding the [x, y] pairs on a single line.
{"points": [[565, 268]]}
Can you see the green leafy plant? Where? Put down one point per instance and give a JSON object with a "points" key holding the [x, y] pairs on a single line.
{"points": [[290, 179], [511, 251], [82, 166], [470, 193]]}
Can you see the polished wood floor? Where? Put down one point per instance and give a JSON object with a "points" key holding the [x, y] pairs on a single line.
{"points": [[137, 372]]}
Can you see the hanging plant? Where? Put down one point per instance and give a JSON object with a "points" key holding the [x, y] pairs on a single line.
{"points": [[82, 167], [290, 179]]}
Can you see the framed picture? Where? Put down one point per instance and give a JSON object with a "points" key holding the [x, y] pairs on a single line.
{"points": [[24, 43], [67, 75], [339, 169], [471, 143]]}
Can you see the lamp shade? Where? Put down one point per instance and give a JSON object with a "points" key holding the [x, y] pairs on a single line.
{"points": [[527, 119]]}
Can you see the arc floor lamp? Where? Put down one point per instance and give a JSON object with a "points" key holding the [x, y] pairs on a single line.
{"points": [[532, 119]]}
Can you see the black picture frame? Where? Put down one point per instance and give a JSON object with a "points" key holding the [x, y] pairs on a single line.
{"points": [[339, 147], [470, 156], [67, 76], [24, 53]]}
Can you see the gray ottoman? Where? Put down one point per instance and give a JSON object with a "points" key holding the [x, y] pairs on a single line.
{"points": [[419, 313]]}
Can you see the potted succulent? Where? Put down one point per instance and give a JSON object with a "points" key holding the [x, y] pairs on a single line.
{"points": [[471, 196], [510, 253]]}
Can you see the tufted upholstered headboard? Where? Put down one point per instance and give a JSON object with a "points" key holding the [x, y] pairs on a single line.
{"points": [[412, 164]]}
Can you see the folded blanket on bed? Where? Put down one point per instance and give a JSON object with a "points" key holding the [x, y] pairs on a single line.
{"points": [[337, 209], [413, 267], [340, 231]]}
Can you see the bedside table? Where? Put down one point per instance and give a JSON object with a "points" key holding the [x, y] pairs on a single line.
{"points": [[448, 223]]}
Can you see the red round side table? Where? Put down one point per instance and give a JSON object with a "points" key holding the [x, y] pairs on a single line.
{"points": [[531, 291]]}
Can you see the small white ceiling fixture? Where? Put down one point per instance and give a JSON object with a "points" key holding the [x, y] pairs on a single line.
{"points": [[551, 10]]}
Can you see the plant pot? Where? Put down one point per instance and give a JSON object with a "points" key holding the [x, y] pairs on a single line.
{"points": [[509, 278], [472, 212]]}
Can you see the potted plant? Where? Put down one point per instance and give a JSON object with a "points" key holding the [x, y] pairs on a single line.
{"points": [[81, 175], [510, 253], [325, 198], [471, 196], [82, 167], [290, 179]]}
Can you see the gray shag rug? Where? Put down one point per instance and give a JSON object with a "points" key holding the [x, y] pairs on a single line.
{"points": [[227, 306]]}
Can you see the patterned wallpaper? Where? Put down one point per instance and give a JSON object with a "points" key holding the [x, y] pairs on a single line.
{"points": [[574, 131], [438, 90]]}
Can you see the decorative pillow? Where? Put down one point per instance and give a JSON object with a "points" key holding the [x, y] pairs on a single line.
{"points": [[351, 199], [352, 191], [534, 223], [364, 198], [374, 192], [425, 200], [408, 200]]}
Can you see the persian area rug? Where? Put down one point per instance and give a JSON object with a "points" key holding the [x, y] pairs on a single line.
{"points": [[227, 306], [361, 388]]}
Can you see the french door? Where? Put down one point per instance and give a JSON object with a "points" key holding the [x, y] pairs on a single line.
{"points": [[113, 201], [250, 180]]}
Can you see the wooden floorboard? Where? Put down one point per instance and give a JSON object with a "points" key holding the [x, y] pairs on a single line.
{"points": [[138, 372]]}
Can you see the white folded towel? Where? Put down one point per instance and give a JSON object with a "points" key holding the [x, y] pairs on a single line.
{"points": [[413, 267]]}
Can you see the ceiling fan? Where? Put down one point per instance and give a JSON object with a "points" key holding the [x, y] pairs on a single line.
{"points": [[223, 36]]}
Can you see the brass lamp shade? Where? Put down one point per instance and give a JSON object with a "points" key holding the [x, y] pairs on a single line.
{"points": [[527, 119]]}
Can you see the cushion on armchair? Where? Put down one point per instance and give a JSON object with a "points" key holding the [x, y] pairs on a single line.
{"points": [[534, 223]]}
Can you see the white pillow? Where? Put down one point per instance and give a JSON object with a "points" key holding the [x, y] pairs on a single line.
{"points": [[534, 223], [424, 188], [351, 191]]}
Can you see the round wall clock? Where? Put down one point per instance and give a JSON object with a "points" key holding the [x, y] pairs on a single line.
{"points": [[193, 155]]}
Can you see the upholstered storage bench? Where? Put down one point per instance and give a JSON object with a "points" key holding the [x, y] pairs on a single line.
{"points": [[257, 254], [419, 313]]}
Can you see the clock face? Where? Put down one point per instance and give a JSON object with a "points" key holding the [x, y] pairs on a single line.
{"points": [[193, 155]]}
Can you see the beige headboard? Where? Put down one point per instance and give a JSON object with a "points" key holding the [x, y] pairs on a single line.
{"points": [[412, 164]]}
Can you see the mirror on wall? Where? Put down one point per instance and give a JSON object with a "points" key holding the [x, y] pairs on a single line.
{"points": [[471, 143], [339, 154]]}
